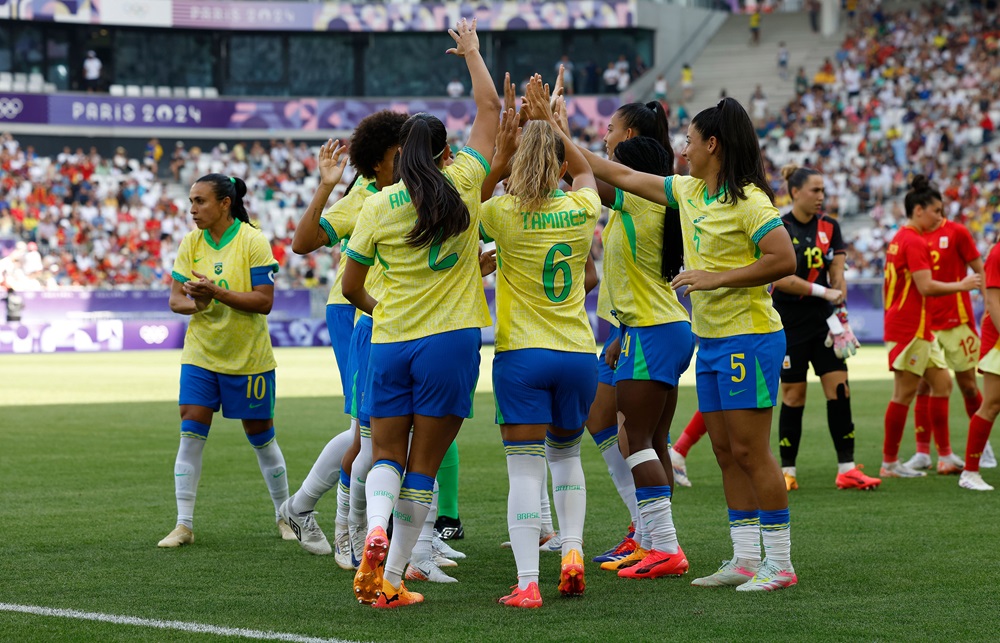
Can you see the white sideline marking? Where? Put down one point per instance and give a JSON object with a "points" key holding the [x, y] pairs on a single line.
{"points": [[183, 626]]}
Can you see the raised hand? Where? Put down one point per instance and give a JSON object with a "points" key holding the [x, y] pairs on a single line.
{"points": [[559, 89], [488, 262], [332, 162], [538, 101], [562, 115], [465, 37], [506, 143]]}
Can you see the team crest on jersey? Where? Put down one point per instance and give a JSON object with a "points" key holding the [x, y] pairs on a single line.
{"points": [[218, 268], [943, 243], [787, 363], [823, 238]]}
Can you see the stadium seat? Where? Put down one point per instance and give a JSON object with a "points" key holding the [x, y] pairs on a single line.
{"points": [[163, 91], [211, 92], [35, 78], [148, 91], [180, 92], [20, 85], [117, 90], [133, 90], [20, 78], [49, 88], [6, 81], [195, 92]]}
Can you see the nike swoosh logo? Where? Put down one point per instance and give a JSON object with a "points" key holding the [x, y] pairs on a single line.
{"points": [[178, 475], [278, 475], [197, 260], [732, 393], [253, 406]]}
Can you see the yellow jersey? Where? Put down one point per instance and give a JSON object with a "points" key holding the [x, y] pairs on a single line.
{"points": [[338, 224], [720, 237], [633, 254], [426, 291], [222, 339], [541, 262]]}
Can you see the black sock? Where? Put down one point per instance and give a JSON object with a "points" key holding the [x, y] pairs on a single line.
{"points": [[789, 433], [838, 418]]}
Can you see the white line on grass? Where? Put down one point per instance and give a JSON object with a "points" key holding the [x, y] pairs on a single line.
{"points": [[198, 628]]}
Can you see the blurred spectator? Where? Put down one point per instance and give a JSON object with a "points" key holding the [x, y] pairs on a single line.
{"points": [[455, 88], [611, 79], [92, 67], [567, 64]]}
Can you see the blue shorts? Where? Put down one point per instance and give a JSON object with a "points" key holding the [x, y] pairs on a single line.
{"points": [[433, 376], [658, 353], [340, 325], [739, 372], [361, 346], [242, 397], [542, 386], [606, 374]]}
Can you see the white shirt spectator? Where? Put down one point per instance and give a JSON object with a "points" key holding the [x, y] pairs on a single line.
{"points": [[456, 88]]}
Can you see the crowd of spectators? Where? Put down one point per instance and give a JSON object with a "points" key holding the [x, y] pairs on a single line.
{"points": [[915, 91]]}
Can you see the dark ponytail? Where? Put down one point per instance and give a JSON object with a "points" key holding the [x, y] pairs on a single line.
{"points": [[441, 213], [649, 119], [229, 186], [742, 163], [645, 154], [922, 192]]}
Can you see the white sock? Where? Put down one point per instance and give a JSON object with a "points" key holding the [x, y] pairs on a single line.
{"points": [[775, 531], [324, 474], [187, 473], [272, 467], [744, 529], [619, 470], [359, 475], [423, 550], [343, 499], [526, 477], [790, 471], [844, 467], [415, 494], [384, 482], [569, 489], [656, 515]]}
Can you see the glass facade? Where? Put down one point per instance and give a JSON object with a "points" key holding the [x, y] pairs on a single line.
{"points": [[303, 64]]}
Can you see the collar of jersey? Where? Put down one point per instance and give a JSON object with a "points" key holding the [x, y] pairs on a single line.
{"points": [[556, 194], [709, 200], [371, 187], [227, 236]]}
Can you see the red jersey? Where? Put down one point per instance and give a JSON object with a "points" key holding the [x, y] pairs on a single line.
{"points": [[992, 281], [952, 249], [905, 310]]}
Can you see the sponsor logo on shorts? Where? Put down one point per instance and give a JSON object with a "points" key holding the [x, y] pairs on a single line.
{"points": [[787, 363], [253, 406], [733, 393]]}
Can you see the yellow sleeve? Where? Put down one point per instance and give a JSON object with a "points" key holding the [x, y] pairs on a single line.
{"points": [[339, 219], [361, 247], [182, 264], [589, 200], [260, 253], [670, 187], [468, 171], [760, 215], [487, 214]]}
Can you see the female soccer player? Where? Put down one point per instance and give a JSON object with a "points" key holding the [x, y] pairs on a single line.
{"points": [[224, 278], [734, 246], [628, 121], [953, 252], [913, 354], [805, 301], [373, 148], [981, 424], [543, 238], [424, 231]]}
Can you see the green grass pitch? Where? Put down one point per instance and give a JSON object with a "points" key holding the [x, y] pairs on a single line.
{"points": [[88, 450]]}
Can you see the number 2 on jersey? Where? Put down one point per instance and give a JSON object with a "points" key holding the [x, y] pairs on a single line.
{"points": [[434, 260], [550, 269]]}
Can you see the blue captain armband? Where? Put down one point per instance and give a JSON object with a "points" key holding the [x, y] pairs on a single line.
{"points": [[263, 275]]}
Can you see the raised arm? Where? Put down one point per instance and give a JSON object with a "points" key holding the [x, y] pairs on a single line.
{"points": [[647, 186], [309, 235], [777, 260], [484, 127], [540, 108], [506, 145]]}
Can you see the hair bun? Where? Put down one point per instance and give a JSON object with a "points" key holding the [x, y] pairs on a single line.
{"points": [[920, 182], [788, 170]]}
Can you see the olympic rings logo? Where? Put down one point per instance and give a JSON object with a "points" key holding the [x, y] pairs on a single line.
{"points": [[10, 107]]}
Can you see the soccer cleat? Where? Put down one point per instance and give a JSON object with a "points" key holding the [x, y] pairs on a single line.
{"points": [[632, 559], [898, 470], [368, 580], [284, 530], [549, 542], [919, 461], [969, 480], [855, 479], [950, 465], [769, 578], [391, 597], [791, 484], [442, 561], [528, 598], [730, 573], [181, 535], [344, 554], [571, 582], [658, 564], [305, 529], [988, 460], [356, 544], [619, 551], [680, 469], [441, 548], [428, 571], [449, 528]]}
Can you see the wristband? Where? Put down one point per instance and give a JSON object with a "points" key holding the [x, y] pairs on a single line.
{"points": [[816, 290]]}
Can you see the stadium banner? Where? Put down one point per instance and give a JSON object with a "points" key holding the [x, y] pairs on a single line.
{"points": [[308, 114], [94, 305], [97, 336]]}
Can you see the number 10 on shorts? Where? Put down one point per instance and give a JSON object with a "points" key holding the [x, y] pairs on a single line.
{"points": [[256, 387]]}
